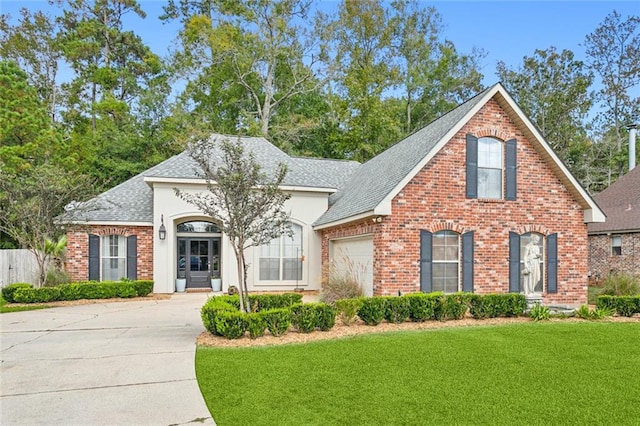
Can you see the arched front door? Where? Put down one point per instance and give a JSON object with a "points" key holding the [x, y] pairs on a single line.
{"points": [[198, 252]]}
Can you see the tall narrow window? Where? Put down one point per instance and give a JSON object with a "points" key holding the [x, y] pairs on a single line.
{"points": [[446, 255], [489, 168], [616, 245], [114, 256], [281, 259]]}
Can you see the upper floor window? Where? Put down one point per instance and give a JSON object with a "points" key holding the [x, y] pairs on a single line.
{"points": [[489, 168], [616, 245], [281, 259]]}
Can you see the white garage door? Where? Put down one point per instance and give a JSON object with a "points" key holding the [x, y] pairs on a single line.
{"points": [[354, 256]]}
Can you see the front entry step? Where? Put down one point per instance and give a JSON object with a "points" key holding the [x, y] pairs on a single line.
{"points": [[199, 290]]}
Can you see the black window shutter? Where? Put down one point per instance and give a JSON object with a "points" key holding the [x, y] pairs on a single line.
{"points": [[467, 261], [426, 241], [472, 166], [511, 169], [94, 257], [514, 262], [132, 257], [552, 263]]}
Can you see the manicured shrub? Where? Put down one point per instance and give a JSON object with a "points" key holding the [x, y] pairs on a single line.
{"points": [[606, 301], [231, 324], [455, 306], [625, 306], [516, 304], [143, 287], [325, 316], [36, 295], [372, 310], [263, 302], [210, 310], [348, 309], [422, 306], [396, 309], [256, 325], [497, 305], [278, 320], [124, 290], [8, 291], [304, 317], [69, 291]]}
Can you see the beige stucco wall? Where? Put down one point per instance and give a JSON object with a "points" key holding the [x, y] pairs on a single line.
{"points": [[304, 206]]}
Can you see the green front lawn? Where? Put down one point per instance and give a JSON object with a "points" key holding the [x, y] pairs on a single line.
{"points": [[530, 373]]}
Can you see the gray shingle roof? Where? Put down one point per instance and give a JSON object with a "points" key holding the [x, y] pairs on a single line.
{"points": [[376, 178], [621, 203], [132, 201]]}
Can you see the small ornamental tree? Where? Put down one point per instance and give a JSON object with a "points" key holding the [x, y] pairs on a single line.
{"points": [[30, 207], [245, 201]]}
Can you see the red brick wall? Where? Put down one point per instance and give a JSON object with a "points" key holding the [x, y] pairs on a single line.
{"points": [[77, 263], [602, 262], [435, 199]]}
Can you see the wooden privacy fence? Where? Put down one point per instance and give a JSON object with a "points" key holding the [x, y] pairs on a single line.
{"points": [[17, 266]]}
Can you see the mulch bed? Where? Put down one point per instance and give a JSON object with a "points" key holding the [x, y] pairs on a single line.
{"points": [[359, 328]]}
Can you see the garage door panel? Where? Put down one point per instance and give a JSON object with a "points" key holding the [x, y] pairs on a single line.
{"points": [[354, 256]]}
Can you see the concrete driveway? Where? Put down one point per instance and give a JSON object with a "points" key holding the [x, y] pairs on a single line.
{"points": [[123, 363]]}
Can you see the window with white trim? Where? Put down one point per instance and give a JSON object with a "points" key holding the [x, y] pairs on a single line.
{"points": [[281, 259], [114, 257], [446, 255], [489, 168]]}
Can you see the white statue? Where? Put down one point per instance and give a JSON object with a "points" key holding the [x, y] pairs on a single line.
{"points": [[531, 264]]}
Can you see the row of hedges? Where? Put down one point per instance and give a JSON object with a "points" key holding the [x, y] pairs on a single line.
{"points": [[277, 313], [418, 307], [25, 293], [626, 306]]}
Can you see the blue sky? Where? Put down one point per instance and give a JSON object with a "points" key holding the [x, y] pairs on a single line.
{"points": [[505, 30]]}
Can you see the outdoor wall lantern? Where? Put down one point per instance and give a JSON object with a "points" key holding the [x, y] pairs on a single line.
{"points": [[162, 231]]}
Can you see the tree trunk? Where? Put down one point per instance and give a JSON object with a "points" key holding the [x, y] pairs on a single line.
{"points": [[240, 265]]}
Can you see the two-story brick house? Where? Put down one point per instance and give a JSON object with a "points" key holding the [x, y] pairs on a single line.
{"points": [[475, 201]]}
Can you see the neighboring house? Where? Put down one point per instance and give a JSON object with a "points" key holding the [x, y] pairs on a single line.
{"points": [[475, 201], [614, 246]]}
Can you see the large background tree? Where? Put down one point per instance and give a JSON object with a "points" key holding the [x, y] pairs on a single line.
{"points": [[245, 201], [246, 61], [552, 88], [613, 53]]}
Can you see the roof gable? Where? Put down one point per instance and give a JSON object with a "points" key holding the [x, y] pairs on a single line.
{"points": [[375, 184]]}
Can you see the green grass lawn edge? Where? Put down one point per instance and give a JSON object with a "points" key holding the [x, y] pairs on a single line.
{"points": [[528, 373]]}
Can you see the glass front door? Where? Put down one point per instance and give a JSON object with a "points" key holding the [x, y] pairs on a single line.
{"points": [[198, 261]]}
